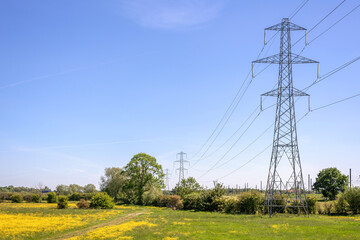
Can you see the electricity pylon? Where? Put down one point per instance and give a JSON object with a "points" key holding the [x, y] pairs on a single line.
{"points": [[167, 179], [291, 193], [181, 168]]}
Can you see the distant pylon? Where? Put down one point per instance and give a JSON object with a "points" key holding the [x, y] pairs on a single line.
{"points": [[167, 179], [181, 168], [285, 143]]}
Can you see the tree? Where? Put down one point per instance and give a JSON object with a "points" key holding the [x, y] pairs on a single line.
{"points": [[330, 182], [187, 186], [89, 188], [113, 182], [74, 188], [143, 172], [62, 189]]}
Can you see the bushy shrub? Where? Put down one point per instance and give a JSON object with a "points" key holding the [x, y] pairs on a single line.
{"points": [[353, 199], [163, 201], [341, 205], [62, 202], [206, 202], [174, 202], [35, 198], [83, 204], [250, 202], [231, 206], [16, 198], [75, 197], [51, 197], [211, 200], [325, 207], [219, 204], [311, 203], [296, 207], [27, 198], [4, 196], [152, 196], [320, 208], [87, 196], [328, 208], [278, 202], [192, 201], [102, 200]]}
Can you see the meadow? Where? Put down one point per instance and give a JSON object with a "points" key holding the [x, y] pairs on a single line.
{"points": [[44, 221]]}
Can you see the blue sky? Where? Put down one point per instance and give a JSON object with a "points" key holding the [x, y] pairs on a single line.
{"points": [[87, 84]]}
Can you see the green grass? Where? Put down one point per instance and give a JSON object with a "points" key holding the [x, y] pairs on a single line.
{"points": [[171, 224], [204, 225]]}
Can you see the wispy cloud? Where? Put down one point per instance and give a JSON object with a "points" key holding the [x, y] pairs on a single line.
{"points": [[171, 14], [86, 145], [69, 71]]}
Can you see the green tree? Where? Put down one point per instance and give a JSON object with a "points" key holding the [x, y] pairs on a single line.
{"points": [[187, 186], [89, 188], [113, 182], [143, 172], [62, 189], [74, 188], [330, 182]]}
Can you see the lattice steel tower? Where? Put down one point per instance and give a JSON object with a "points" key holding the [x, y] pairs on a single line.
{"points": [[181, 168], [285, 144], [167, 179]]}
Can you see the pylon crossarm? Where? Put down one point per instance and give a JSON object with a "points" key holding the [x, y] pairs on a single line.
{"points": [[277, 59], [298, 93], [280, 26], [296, 59], [272, 93], [271, 59]]}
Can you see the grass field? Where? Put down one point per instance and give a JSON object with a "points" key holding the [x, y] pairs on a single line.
{"points": [[44, 221]]}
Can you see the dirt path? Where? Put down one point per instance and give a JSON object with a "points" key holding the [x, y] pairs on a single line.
{"points": [[112, 222]]}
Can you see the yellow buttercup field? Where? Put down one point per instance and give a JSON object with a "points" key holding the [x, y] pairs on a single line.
{"points": [[33, 220], [115, 231]]}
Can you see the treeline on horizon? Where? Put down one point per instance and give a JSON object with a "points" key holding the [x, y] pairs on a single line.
{"points": [[141, 181]]}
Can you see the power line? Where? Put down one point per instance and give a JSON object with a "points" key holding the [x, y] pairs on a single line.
{"points": [[313, 29], [335, 23], [330, 73], [325, 76], [226, 113], [232, 111], [226, 121], [214, 166], [222, 145], [257, 155], [313, 110], [238, 92], [327, 15], [235, 108], [299, 8], [232, 146], [336, 102]]}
